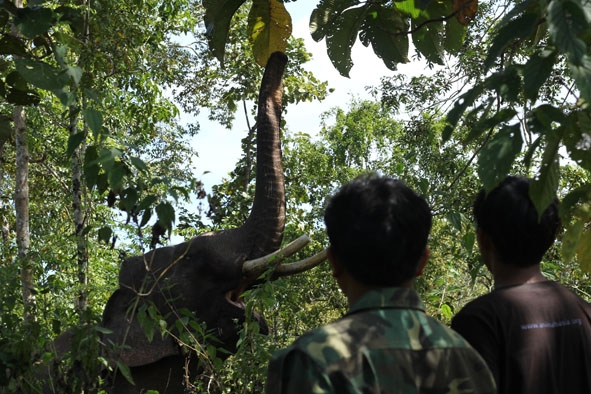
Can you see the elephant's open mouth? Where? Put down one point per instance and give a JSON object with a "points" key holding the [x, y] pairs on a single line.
{"points": [[234, 297]]}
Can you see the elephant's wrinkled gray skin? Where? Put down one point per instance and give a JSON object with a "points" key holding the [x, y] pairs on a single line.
{"points": [[204, 274]]}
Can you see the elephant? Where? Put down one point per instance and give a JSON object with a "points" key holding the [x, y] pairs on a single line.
{"points": [[207, 274]]}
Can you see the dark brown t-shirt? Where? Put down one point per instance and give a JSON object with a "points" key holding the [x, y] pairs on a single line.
{"points": [[535, 338]]}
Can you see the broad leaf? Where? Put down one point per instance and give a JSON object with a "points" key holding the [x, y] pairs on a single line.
{"points": [[94, 119], [342, 37], [566, 20], [74, 142], [105, 234], [486, 123], [543, 188], [324, 17], [542, 120], [10, 45], [536, 72], [428, 39], [498, 155], [32, 22], [217, 18], [518, 28], [165, 213], [41, 74], [582, 74], [584, 251], [116, 175], [455, 34], [269, 28], [454, 115], [577, 138], [386, 30]]}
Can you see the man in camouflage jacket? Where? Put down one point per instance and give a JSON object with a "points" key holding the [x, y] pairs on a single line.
{"points": [[378, 230]]}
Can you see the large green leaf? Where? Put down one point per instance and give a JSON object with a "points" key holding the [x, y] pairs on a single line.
{"points": [[324, 17], [566, 20], [584, 251], [519, 28], [581, 72], [498, 155], [10, 45], [40, 74], [428, 39], [217, 18], [33, 22], [463, 102], [342, 37], [544, 186], [536, 71], [386, 29], [94, 119], [455, 33], [269, 28], [577, 138]]}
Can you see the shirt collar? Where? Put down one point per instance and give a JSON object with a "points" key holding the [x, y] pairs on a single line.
{"points": [[388, 297]]}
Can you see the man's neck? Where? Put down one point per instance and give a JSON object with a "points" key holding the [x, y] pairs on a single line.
{"points": [[509, 275]]}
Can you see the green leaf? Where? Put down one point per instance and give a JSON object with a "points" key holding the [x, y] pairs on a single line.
{"points": [[581, 72], [166, 216], [566, 20], [93, 118], [428, 40], [584, 251], [128, 199], [408, 7], [455, 218], [269, 28], [543, 188], [455, 34], [147, 202], [498, 155], [116, 175], [570, 239], [386, 30], [32, 22], [324, 17], [105, 234], [217, 18], [40, 74], [536, 72], [577, 138], [519, 28], [454, 115], [23, 97], [139, 164], [485, 124], [506, 82], [74, 141], [342, 37], [124, 369], [10, 45]]}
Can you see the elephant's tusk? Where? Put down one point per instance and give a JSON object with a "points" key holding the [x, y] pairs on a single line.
{"points": [[257, 266], [302, 265]]}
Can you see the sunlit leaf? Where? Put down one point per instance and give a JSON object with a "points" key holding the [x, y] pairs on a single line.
{"points": [[570, 239], [269, 28]]}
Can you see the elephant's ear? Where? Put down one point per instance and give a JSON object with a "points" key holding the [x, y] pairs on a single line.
{"points": [[126, 340]]}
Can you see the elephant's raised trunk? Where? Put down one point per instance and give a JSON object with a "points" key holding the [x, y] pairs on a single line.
{"points": [[264, 226]]}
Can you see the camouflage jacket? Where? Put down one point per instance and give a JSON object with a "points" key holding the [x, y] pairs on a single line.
{"points": [[384, 344]]}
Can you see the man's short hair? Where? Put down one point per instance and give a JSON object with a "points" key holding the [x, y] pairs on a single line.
{"points": [[378, 228], [509, 217]]}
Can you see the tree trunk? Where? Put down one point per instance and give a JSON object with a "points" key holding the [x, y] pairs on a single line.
{"points": [[21, 199], [77, 191], [21, 202]]}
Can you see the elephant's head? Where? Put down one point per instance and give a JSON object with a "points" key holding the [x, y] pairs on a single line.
{"points": [[207, 274]]}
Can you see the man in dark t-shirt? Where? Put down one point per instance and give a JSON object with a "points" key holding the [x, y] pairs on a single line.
{"points": [[534, 334]]}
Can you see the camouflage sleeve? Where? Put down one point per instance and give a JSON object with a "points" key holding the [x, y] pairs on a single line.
{"points": [[292, 371]]}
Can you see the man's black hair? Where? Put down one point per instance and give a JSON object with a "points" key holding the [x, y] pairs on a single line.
{"points": [[509, 217], [378, 228]]}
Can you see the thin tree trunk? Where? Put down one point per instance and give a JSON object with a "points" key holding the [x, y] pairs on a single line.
{"points": [[79, 221], [21, 200]]}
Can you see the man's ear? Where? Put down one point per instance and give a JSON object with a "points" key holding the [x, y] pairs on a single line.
{"points": [[335, 264], [423, 261]]}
